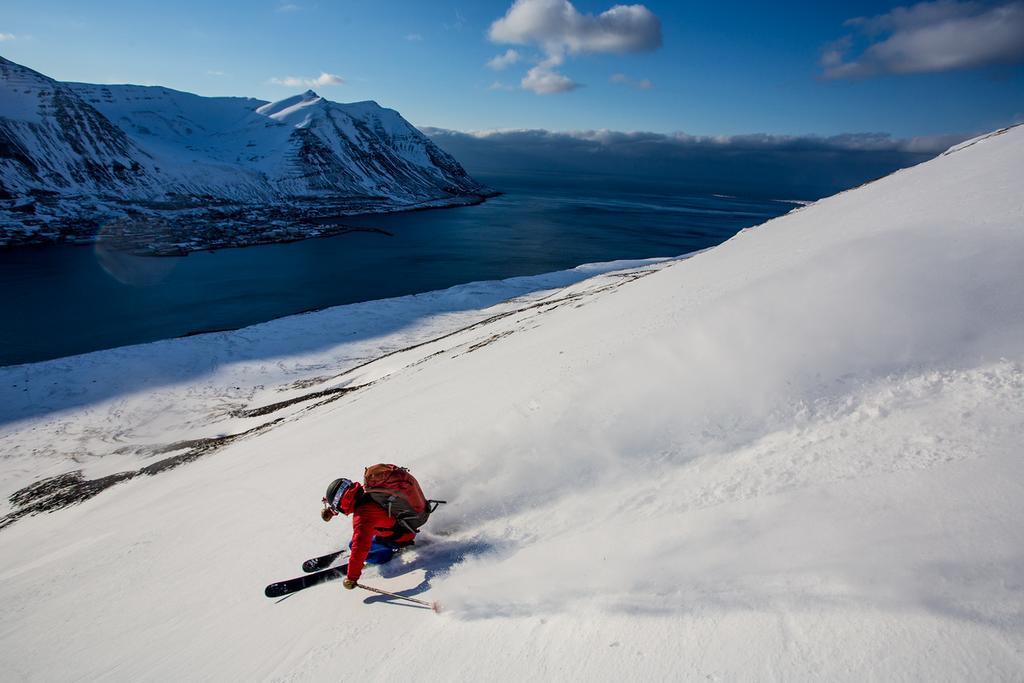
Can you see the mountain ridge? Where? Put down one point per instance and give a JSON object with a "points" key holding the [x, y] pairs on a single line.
{"points": [[151, 168]]}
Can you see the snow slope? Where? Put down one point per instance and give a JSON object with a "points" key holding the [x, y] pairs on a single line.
{"points": [[794, 456]]}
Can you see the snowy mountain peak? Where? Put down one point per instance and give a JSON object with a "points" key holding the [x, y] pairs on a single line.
{"points": [[274, 109], [74, 156], [295, 111]]}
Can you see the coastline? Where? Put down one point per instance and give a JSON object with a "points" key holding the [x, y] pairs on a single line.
{"points": [[101, 297], [163, 233], [463, 297]]}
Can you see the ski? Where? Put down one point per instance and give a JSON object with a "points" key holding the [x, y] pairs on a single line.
{"points": [[276, 590], [322, 562]]}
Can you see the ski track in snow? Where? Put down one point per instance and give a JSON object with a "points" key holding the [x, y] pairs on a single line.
{"points": [[795, 456], [151, 408]]}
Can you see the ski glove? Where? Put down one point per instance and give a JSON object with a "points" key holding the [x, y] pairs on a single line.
{"points": [[349, 583]]}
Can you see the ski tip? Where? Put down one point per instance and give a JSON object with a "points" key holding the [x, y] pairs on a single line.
{"points": [[436, 606]]}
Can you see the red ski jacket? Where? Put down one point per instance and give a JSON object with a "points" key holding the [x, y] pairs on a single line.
{"points": [[369, 520]]}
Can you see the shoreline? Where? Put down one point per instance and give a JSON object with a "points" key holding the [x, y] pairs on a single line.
{"points": [[123, 236], [515, 286], [149, 299]]}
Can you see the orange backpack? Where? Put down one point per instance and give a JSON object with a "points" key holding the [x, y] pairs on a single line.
{"points": [[397, 491]]}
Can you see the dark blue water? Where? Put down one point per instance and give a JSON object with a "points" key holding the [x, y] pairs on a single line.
{"points": [[65, 300]]}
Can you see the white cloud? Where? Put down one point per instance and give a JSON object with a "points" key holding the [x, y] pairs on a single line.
{"points": [[329, 79], [288, 7], [921, 14], [498, 85], [832, 54], [559, 29], [943, 35], [545, 81], [623, 79], [6, 36], [502, 61], [413, 37], [299, 82], [215, 73]]}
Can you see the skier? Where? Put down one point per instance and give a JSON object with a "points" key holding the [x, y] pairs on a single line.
{"points": [[376, 534]]}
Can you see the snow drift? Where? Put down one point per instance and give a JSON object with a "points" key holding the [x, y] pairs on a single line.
{"points": [[793, 456]]}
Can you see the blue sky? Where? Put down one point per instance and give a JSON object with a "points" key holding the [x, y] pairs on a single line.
{"points": [[720, 68]]}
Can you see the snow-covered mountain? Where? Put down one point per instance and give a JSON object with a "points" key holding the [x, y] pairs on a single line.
{"points": [[794, 456], [74, 157], [54, 143]]}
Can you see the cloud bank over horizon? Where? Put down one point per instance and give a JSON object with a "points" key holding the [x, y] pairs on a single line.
{"points": [[799, 166], [943, 35]]}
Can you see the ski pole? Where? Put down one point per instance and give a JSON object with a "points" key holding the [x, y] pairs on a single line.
{"points": [[432, 605]]}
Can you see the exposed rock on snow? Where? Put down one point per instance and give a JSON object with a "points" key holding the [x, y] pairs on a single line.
{"points": [[794, 456], [74, 156]]}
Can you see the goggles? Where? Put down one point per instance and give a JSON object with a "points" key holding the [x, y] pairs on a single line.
{"points": [[334, 504]]}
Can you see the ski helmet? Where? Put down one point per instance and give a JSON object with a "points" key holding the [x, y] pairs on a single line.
{"points": [[335, 491]]}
